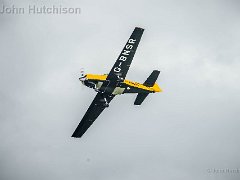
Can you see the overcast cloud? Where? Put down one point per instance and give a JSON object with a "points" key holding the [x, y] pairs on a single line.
{"points": [[185, 132]]}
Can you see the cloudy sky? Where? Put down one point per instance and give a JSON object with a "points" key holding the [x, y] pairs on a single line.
{"points": [[190, 131]]}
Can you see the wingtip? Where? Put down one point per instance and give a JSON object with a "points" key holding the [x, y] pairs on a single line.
{"points": [[139, 28], [76, 136]]}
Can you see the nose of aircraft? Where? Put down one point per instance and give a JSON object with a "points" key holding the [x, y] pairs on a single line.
{"points": [[82, 75]]}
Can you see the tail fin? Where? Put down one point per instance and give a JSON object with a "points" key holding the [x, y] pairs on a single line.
{"points": [[152, 78]]}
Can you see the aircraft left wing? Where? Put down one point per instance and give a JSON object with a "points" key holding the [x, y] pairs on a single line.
{"points": [[94, 110], [121, 66]]}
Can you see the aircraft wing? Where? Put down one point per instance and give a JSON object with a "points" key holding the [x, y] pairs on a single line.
{"points": [[94, 110], [121, 66]]}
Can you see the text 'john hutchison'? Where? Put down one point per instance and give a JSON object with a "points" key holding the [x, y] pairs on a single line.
{"points": [[34, 9]]}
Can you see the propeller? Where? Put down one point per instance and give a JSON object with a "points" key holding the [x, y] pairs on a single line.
{"points": [[82, 78], [82, 75]]}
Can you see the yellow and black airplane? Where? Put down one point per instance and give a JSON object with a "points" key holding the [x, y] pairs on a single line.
{"points": [[114, 83]]}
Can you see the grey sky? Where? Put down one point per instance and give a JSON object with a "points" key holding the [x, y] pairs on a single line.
{"points": [[191, 127]]}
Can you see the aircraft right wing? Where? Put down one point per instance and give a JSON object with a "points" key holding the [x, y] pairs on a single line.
{"points": [[121, 66], [94, 110]]}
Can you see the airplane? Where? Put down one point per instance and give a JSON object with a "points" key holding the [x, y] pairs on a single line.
{"points": [[109, 85]]}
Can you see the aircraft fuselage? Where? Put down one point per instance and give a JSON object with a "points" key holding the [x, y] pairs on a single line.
{"points": [[100, 84]]}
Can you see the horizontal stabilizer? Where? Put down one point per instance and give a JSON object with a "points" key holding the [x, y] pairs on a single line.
{"points": [[152, 78], [140, 98]]}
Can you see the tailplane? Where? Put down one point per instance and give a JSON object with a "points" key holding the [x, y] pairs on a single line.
{"points": [[152, 78], [140, 98], [149, 82]]}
